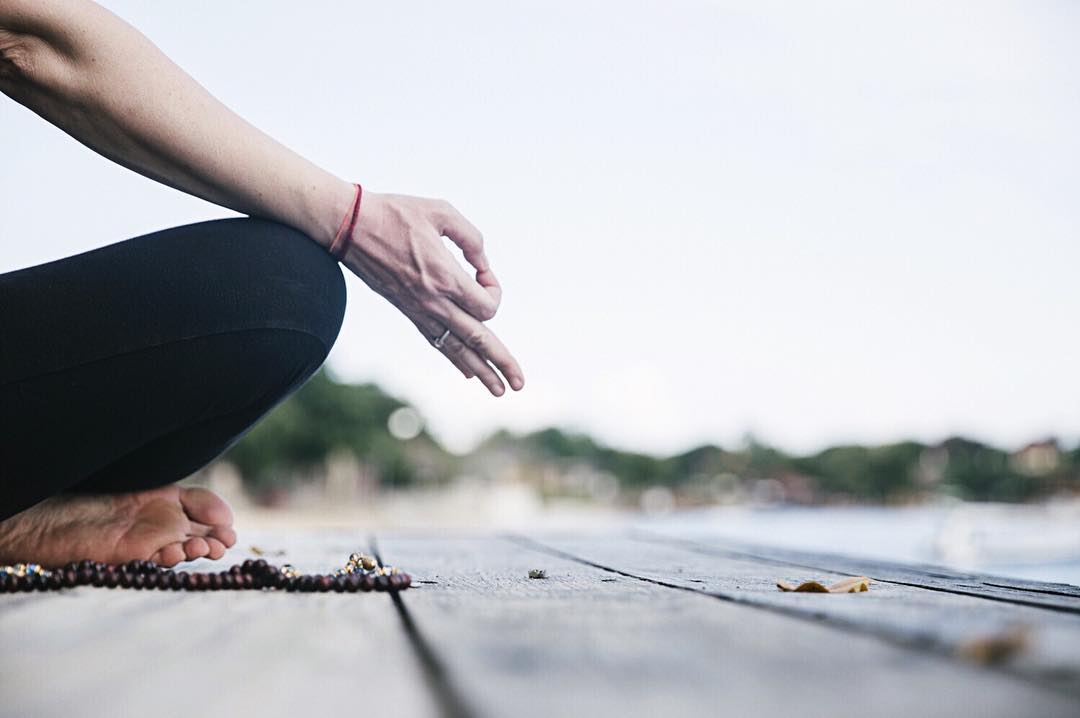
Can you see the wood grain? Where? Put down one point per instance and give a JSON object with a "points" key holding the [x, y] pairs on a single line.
{"points": [[585, 641], [96, 652], [901, 613]]}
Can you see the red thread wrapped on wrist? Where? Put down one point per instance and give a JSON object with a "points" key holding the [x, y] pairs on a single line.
{"points": [[348, 223]]}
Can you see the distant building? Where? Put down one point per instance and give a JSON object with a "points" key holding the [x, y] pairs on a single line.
{"points": [[1039, 458]]}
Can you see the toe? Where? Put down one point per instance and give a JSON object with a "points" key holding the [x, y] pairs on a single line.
{"points": [[169, 555], [205, 507], [224, 534], [216, 548], [195, 547]]}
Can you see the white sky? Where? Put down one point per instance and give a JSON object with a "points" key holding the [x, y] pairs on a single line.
{"points": [[819, 222]]}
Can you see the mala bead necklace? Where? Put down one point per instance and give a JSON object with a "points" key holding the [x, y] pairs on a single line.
{"points": [[362, 573]]}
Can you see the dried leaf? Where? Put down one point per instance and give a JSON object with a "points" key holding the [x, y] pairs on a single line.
{"points": [[995, 648], [858, 584], [855, 584], [804, 587]]}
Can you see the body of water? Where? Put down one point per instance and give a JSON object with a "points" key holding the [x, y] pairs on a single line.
{"points": [[1037, 542]]}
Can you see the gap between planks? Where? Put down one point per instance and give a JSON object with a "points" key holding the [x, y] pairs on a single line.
{"points": [[1064, 683], [1059, 599]]}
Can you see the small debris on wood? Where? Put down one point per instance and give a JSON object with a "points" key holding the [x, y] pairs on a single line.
{"points": [[266, 552], [995, 648], [856, 584], [537, 573]]}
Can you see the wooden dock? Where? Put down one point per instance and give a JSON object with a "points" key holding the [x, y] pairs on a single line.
{"points": [[627, 624]]}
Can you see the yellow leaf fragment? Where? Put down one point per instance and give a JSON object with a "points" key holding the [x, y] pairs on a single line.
{"points": [[857, 584], [804, 587]]}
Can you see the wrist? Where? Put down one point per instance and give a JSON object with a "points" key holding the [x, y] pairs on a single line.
{"points": [[326, 207]]}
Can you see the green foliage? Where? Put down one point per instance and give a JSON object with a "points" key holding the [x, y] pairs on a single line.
{"points": [[878, 473], [323, 417], [981, 472]]}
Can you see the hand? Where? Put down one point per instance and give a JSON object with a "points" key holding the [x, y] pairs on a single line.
{"points": [[396, 248]]}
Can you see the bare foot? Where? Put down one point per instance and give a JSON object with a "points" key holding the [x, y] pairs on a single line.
{"points": [[166, 525]]}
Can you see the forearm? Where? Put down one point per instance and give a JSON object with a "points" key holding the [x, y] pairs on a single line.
{"points": [[100, 80]]}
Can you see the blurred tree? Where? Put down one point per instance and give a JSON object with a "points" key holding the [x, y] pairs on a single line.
{"points": [[982, 473], [325, 416], [878, 473]]}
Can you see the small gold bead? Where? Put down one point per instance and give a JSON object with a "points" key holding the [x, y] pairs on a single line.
{"points": [[368, 562], [356, 557]]}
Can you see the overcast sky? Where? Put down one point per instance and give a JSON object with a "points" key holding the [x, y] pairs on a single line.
{"points": [[818, 222]]}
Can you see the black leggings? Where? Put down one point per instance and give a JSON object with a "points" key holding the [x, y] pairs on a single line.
{"points": [[133, 365]]}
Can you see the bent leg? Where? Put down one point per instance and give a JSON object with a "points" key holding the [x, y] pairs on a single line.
{"points": [[134, 365]]}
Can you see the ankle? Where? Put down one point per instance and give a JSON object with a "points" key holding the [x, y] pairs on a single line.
{"points": [[16, 533]]}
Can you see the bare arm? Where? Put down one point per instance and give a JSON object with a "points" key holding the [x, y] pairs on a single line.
{"points": [[97, 78], [88, 72]]}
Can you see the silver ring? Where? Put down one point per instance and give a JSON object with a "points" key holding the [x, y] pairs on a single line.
{"points": [[440, 342]]}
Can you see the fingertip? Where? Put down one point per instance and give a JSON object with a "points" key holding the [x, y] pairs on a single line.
{"points": [[517, 383]]}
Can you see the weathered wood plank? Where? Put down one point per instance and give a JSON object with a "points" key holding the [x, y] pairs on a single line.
{"points": [[95, 652], [903, 614], [585, 641], [1040, 594]]}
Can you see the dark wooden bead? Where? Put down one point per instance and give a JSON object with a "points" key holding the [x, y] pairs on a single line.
{"points": [[324, 584], [138, 581], [71, 577], [150, 580], [235, 570], [56, 581], [71, 566], [367, 583], [98, 578], [213, 581], [352, 583], [86, 575], [112, 579], [247, 566], [3, 583], [307, 583], [339, 584], [150, 567], [166, 579], [228, 580], [291, 584], [261, 565], [86, 564], [382, 583]]}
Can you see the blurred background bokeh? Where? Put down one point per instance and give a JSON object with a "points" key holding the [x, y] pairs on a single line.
{"points": [[788, 272]]}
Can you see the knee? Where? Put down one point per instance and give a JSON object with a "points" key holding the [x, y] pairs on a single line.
{"points": [[298, 279]]}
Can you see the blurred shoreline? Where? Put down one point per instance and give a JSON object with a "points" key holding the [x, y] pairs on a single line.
{"points": [[1037, 541]]}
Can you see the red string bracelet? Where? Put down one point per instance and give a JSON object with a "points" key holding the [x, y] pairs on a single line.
{"points": [[341, 243]]}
